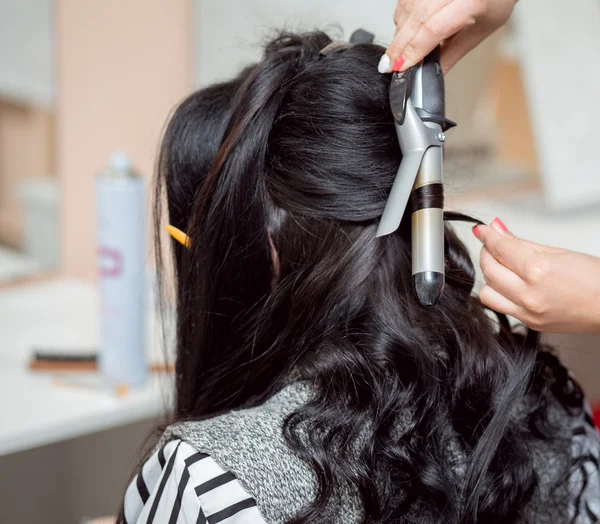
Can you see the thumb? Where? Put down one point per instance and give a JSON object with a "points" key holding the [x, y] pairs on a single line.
{"points": [[499, 226], [510, 251]]}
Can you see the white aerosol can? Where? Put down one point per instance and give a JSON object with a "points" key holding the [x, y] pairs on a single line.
{"points": [[121, 272]]}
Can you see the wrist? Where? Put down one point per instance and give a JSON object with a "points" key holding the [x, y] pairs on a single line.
{"points": [[584, 278]]}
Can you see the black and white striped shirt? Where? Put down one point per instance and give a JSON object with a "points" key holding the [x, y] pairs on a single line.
{"points": [[178, 485]]}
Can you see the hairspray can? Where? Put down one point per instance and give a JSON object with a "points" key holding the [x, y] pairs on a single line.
{"points": [[121, 272]]}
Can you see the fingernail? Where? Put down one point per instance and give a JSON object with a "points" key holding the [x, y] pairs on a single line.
{"points": [[500, 224], [384, 64], [476, 231], [398, 63]]}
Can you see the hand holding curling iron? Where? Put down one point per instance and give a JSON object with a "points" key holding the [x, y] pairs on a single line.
{"points": [[458, 25]]}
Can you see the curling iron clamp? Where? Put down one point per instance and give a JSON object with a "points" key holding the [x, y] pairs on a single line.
{"points": [[417, 101]]}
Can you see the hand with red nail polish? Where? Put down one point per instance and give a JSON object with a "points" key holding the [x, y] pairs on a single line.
{"points": [[546, 288], [398, 63], [461, 25]]}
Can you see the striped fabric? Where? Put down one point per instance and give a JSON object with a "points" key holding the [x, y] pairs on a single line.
{"points": [[179, 485]]}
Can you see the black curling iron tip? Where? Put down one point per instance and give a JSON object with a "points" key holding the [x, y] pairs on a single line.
{"points": [[429, 286]]}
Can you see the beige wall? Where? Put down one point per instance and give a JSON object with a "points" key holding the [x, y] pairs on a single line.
{"points": [[515, 137], [26, 151], [122, 66], [467, 86]]}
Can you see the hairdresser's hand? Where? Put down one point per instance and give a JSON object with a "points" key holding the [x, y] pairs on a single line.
{"points": [[547, 289], [459, 25]]}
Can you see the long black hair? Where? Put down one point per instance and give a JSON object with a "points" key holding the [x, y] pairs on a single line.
{"points": [[280, 177]]}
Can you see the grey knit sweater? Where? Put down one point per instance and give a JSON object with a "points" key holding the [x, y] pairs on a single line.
{"points": [[250, 444]]}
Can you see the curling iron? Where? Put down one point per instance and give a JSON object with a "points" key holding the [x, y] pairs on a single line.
{"points": [[417, 101]]}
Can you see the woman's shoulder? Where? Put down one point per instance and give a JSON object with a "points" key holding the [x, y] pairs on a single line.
{"points": [[180, 484], [250, 444], [235, 435], [200, 468]]}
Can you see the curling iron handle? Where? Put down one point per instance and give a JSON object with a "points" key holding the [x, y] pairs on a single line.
{"points": [[431, 91], [433, 84]]}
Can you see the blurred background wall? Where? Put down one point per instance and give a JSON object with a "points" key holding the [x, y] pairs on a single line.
{"points": [[122, 66], [100, 76], [79, 79], [27, 123]]}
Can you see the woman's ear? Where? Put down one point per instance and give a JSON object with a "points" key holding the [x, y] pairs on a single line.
{"points": [[275, 260]]}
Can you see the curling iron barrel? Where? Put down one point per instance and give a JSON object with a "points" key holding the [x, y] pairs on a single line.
{"points": [[418, 105]]}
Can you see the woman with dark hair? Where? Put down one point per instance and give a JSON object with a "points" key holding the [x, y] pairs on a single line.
{"points": [[311, 386]]}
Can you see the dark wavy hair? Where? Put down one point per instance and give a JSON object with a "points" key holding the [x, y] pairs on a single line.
{"points": [[280, 177]]}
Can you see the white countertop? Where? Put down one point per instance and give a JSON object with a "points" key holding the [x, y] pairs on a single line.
{"points": [[35, 409]]}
